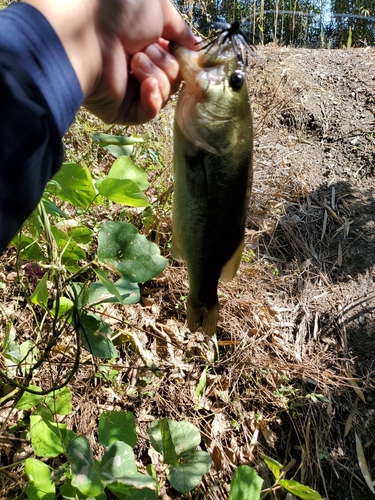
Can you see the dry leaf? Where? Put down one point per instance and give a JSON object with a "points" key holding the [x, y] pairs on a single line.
{"points": [[363, 464], [348, 423]]}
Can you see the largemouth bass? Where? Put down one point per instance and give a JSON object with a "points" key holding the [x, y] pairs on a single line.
{"points": [[213, 145]]}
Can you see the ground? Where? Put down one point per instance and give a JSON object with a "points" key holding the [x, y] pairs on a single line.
{"points": [[292, 374]]}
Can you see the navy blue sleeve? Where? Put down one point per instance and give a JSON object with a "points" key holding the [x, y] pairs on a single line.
{"points": [[39, 96]]}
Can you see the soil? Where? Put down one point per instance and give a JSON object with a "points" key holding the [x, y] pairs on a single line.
{"points": [[292, 373]]}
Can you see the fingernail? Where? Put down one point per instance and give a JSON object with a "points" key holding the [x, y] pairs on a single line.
{"points": [[144, 64], [158, 55]]}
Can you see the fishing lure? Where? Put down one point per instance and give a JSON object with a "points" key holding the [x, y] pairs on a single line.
{"points": [[234, 33]]}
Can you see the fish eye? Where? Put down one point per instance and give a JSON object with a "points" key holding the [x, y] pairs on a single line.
{"points": [[237, 80]]}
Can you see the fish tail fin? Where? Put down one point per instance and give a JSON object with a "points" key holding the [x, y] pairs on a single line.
{"points": [[228, 271], [200, 315]]}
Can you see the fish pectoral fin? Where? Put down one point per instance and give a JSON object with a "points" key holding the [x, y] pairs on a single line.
{"points": [[228, 271], [198, 315]]}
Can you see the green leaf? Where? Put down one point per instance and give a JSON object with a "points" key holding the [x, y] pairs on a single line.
{"points": [[63, 308], [135, 258], [117, 151], [60, 401], [122, 191], [28, 248], [125, 168], [29, 356], [68, 492], [29, 400], [82, 235], [76, 185], [85, 476], [188, 474], [11, 351], [169, 452], [122, 490], [40, 485], [80, 293], [299, 490], [117, 426], [118, 461], [40, 294], [273, 465], [177, 442], [52, 209], [48, 439], [201, 387], [245, 484], [184, 436], [96, 336], [71, 253], [112, 289], [129, 293], [118, 140]]}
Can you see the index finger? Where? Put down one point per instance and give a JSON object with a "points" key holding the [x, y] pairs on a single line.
{"points": [[175, 29]]}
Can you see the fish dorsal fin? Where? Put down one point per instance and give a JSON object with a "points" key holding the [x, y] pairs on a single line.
{"points": [[229, 270]]}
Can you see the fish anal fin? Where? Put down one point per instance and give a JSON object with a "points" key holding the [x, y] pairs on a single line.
{"points": [[202, 316], [229, 270]]}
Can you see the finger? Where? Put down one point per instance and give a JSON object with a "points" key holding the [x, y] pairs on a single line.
{"points": [[167, 63], [143, 68], [175, 28]]}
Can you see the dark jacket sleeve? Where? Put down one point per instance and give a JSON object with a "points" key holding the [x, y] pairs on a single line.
{"points": [[39, 96]]}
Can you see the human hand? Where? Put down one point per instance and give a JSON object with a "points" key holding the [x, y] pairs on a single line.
{"points": [[119, 51]]}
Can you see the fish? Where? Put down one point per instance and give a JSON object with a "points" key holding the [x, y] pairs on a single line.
{"points": [[212, 170]]}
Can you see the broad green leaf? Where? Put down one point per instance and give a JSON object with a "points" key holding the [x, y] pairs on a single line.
{"points": [[117, 426], [118, 461], [80, 293], [188, 474], [169, 452], [48, 439], [117, 151], [60, 401], [11, 351], [29, 400], [28, 248], [29, 356], [299, 490], [40, 485], [118, 140], [201, 387], [71, 252], [135, 258], [273, 465], [52, 209], [125, 168], [245, 484], [122, 191], [69, 492], [63, 308], [44, 412], [184, 436], [96, 336], [82, 235], [129, 293], [40, 294], [85, 476], [122, 490], [76, 185], [112, 289]]}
